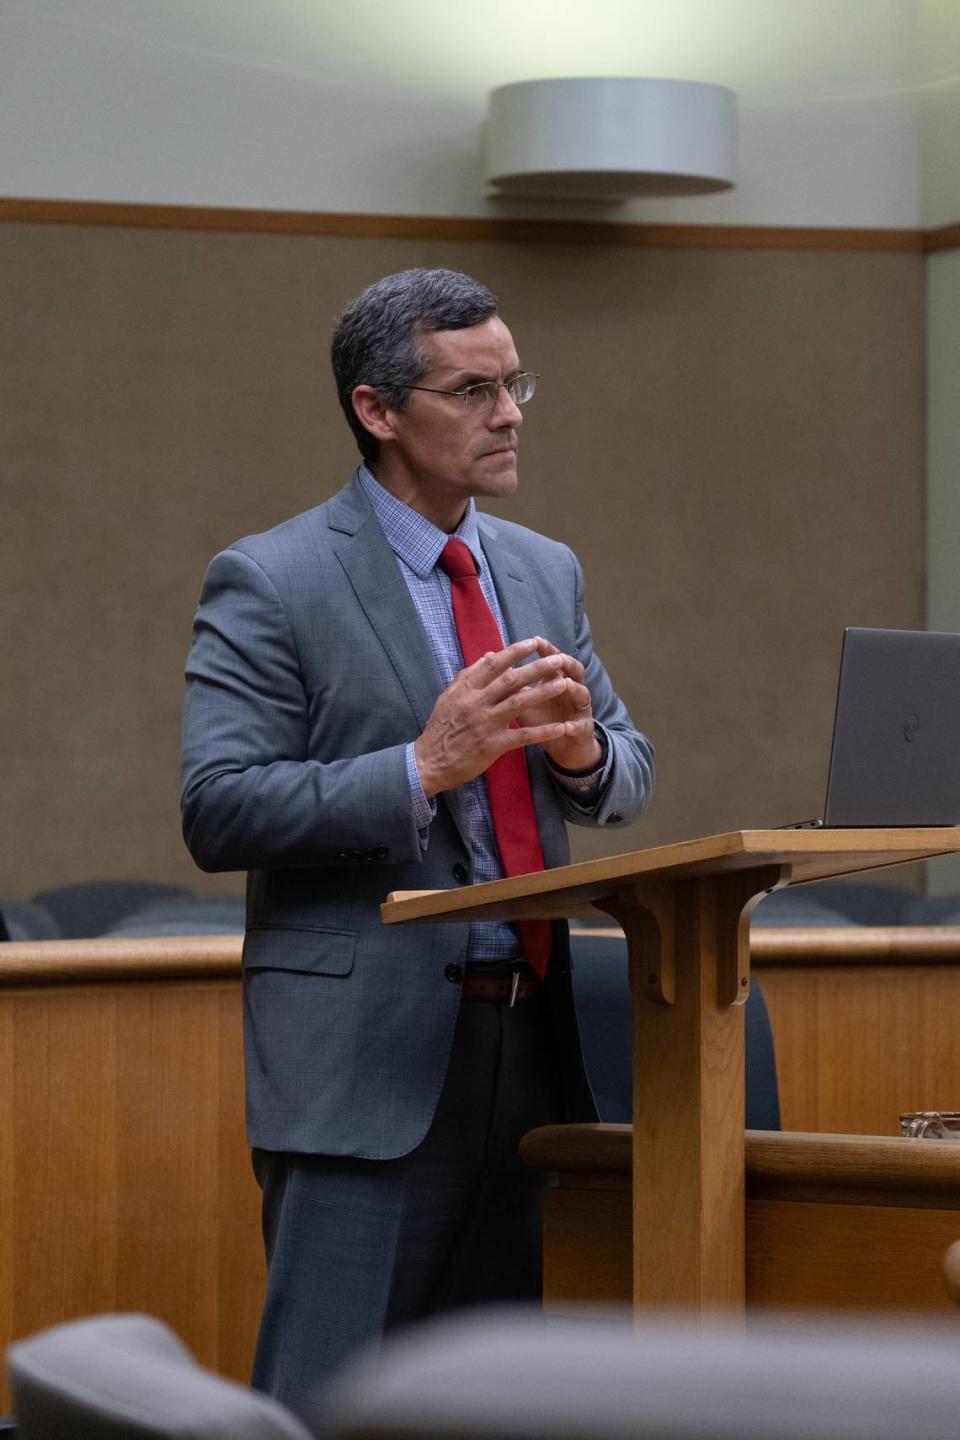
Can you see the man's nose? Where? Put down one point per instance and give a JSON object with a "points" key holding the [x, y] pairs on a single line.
{"points": [[506, 412]]}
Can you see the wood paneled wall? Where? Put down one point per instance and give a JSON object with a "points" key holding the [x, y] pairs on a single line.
{"points": [[859, 1044], [125, 1180]]}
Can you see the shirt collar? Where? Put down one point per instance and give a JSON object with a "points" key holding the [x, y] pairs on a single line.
{"points": [[410, 535]]}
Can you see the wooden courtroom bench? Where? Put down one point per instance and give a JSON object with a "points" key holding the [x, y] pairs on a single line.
{"points": [[832, 1221]]}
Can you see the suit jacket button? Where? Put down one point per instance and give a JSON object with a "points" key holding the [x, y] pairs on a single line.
{"points": [[343, 855], [614, 817], [460, 873], [381, 852], [453, 973]]}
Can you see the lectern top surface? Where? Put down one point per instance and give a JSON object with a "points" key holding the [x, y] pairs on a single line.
{"points": [[809, 854]]}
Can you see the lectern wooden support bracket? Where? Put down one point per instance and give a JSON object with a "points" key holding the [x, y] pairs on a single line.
{"points": [[737, 900], [647, 914]]}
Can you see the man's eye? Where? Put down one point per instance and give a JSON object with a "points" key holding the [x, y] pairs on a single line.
{"points": [[477, 394]]}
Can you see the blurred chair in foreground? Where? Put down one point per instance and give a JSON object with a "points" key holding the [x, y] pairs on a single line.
{"points": [[127, 1377], [515, 1376]]}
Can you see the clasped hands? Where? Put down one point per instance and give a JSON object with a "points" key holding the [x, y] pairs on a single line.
{"points": [[499, 704]]}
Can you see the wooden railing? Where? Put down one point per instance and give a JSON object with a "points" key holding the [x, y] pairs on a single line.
{"points": [[125, 1179], [34, 961], [38, 962], [856, 945]]}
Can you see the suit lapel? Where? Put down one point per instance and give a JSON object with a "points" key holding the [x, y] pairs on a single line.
{"points": [[518, 598], [373, 571], [377, 581]]}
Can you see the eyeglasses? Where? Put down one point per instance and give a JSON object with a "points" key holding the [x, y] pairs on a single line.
{"points": [[484, 394]]}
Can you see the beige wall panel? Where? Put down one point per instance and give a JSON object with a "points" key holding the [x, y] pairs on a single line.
{"points": [[732, 440]]}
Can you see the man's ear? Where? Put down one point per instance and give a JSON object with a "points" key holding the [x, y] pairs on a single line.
{"points": [[372, 413]]}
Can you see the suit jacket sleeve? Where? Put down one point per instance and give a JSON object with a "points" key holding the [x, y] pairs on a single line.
{"points": [[252, 794], [629, 786]]}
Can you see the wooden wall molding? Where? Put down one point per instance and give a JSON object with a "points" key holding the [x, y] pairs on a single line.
{"points": [[944, 237], [462, 228]]}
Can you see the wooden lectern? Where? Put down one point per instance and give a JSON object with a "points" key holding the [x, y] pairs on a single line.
{"points": [[685, 910]]}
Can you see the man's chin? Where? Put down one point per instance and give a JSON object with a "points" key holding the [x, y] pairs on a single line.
{"points": [[501, 482], [498, 469]]}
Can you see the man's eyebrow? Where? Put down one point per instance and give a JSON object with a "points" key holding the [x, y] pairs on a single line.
{"points": [[460, 379]]}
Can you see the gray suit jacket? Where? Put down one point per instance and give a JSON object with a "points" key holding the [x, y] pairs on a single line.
{"points": [[309, 674]]}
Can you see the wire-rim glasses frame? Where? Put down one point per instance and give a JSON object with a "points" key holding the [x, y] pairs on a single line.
{"points": [[484, 393]]}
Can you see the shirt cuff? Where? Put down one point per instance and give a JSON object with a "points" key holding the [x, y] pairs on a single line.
{"points": [[423, 809], [586, 790]]}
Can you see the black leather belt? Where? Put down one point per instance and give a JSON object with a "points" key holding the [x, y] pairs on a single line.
{"points": [[515, 989]]}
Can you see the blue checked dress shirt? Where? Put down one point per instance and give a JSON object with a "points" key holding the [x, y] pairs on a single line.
{"points": [[417, 544]]}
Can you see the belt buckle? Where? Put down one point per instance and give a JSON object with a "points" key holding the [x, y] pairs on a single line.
{"points": [[514, 987]]}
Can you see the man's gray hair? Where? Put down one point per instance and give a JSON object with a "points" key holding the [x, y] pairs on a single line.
{"points": [[376, 338]]}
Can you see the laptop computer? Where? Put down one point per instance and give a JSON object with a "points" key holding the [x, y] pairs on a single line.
{"points": [[895, 756]]}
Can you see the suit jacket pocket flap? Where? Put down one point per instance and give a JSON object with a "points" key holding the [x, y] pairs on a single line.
{"points": [[317, 952]]}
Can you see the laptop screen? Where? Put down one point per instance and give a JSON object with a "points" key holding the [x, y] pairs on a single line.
{"points": [[895, 759]]}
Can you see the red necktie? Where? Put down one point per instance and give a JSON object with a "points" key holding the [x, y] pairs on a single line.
{"points": [[507, 781]]}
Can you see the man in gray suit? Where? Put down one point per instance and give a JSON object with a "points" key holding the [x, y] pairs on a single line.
{"points": [[336, 746]]}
